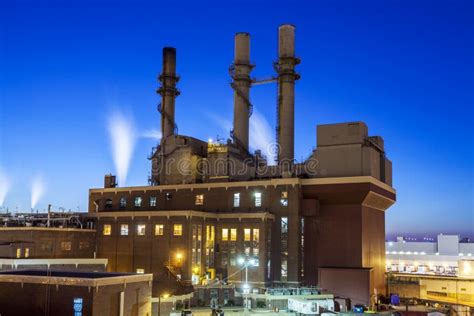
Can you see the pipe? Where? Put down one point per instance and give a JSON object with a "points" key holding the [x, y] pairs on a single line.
{"points": [[286, 94], [168, 92], [240, 73]]}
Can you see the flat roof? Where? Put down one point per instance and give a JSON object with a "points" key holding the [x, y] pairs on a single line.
{"points": [[72, 278]]}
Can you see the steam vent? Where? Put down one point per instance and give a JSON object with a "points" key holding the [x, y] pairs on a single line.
{"points": [[318, 222]]}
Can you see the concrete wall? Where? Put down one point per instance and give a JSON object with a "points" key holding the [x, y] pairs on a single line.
{"points": [[348, 283]]}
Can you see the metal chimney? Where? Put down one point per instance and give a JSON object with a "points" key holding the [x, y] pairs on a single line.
{"points": [[286, 93], [168, 92], [240, 73]]}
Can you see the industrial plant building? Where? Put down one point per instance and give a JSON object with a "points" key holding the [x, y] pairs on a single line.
{"points": [[212, 205], [215, 215]]}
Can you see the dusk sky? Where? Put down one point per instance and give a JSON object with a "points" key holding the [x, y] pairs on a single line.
{"points": [[405, 68]]}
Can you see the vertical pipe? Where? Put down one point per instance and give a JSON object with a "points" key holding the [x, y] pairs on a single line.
{"points": [[286, 87], [241, 85], [168, 92]]}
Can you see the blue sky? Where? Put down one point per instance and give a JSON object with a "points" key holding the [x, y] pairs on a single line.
{"points": [[403, 67]]}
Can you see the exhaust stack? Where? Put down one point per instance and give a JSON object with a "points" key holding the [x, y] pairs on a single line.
{"points": [[240, 73], [168, 92], [287, 76]]}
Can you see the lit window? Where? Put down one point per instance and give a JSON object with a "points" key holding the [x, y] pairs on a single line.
{"points": [[247, 234], [66, 246], [255, 252], [177, 230], [232, 262], [124, 230], [284, 195], [284, 202], [233, 234], [256, 234], [225, 234], [138, 201], [236, 199], [18, 252], [258, 199], [200, 199], [141, 229], [247, 251], [27, 252], [108, 203], [84, 245], [159, 229], [153, 201], [123, 202], [107, 231], [140, 271]]}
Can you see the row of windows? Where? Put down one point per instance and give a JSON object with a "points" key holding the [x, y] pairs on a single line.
{"points": [[199, 200], [141, 229], [230, 234]]}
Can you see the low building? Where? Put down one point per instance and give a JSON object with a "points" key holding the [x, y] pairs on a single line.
{"points": [[436, 288], [74, 293], [439, 257]]}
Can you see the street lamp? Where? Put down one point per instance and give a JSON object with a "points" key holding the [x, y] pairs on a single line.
{"points": [[246, 262]]}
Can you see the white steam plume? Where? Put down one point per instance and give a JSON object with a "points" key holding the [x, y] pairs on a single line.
{"points": [[4, 186], [262, 136], [261, 133], [123, 137], [38, 188], [151, 133]]}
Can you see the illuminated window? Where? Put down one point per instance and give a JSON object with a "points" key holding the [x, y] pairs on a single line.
{"points": [[84, 245], [66, 246], [200, 199], [107, 231], [247, 251], [258, 199], [138, 201], [236, 199], [159, 229], [123, 202], [256, 234], [255, 252], [46, 246], [141, 229], [233, 234], [18, 252], [177, 230], [247, 234], [153, 201], [124, 230], [140, 271], [284, 199], [225, 234], [27, 252]]}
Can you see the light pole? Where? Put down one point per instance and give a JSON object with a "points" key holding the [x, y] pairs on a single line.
{"points": [[246, 262]]}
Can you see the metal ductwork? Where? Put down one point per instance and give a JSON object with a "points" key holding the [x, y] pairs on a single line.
{"points": [[168, 92], [287, 76], [240, 74]]}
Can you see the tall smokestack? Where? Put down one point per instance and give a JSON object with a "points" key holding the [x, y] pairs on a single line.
{"points": [[168, 92], [240, 72], [286, 94]]}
